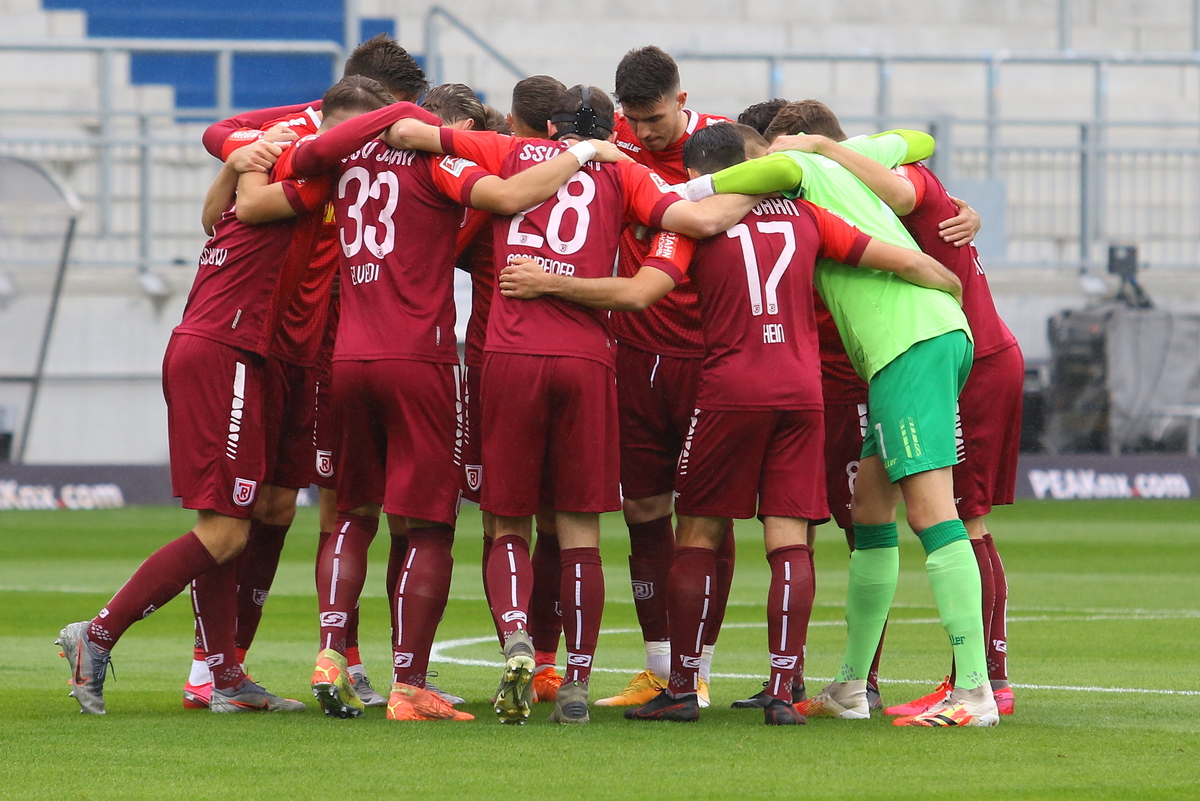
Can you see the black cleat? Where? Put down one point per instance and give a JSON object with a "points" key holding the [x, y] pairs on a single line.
{"points": [[664, 706], [781, 713], [760, 699]]}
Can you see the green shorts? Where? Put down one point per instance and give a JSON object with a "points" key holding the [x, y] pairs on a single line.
{"points": [[912, 405]]}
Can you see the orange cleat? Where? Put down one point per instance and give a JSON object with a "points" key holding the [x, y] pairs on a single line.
{"points": [[924, 702], [416, 703], [546, 682], [643, 688], [1004, 700], [197, 696]]}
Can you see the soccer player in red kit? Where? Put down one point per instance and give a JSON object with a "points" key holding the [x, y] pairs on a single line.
{"points": [[533, 102], [213, 382], [658, 370], [560, 443], [755, 438], [395, 381], [990, 403]]}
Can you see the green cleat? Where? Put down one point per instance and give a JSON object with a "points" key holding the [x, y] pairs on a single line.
{"points": [[332, 688], [514, 696]]}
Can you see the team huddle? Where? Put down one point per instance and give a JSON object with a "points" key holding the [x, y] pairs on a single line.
{"points": [[797, 328]]}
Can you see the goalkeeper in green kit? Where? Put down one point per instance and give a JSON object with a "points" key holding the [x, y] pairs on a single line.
{"points": [[913, 347]]}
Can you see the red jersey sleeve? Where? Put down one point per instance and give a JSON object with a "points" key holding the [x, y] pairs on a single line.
{"points": [[455, 177], [488, 149], [840, 240], [915, 178], [222, 138], [473, 222], [647, 197], [671, 253], [305, 194], [322, 153]]}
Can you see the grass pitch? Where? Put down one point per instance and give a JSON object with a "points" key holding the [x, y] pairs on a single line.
{"points": [[1104, 650]]}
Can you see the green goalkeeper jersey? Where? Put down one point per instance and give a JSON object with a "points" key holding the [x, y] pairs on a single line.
{"points": [[878, 314]]}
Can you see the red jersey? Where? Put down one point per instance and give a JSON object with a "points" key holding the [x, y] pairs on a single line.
{"points": [[934, 206], [755, 287], [398, 213], [840, 384], [249, 274], [573, 233], [672, 325], [477, 257], [222, 138]]}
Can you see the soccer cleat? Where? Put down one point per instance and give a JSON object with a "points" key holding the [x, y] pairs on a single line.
{"points": [[974, 707], [702, 693], [642, 689], [332, 688], [365, 692], [570, 704], [780, 713], [449, 698], [664, 706], [546, 682], [250, 697], [1004, 700], [89, 667], [415, 703], [197, 696], [514, 695], [760, 699], [924, 702], [846, 700]]}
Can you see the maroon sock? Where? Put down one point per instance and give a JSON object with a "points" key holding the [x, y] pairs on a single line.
{"points": [[582, 582], [873, 673], [341, 574], [159, 579], [396, 557], [545, 615], [812, 569], [215, 604], [256, 567], [488, 541], [421, 592], [651, 551], [726, 556], [322, 539], [689, 595], [997, 644], [984, 560], [789, 606], [510, 582]]}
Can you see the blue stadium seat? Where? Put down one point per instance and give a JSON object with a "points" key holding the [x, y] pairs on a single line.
{"points": [[259, 80]]}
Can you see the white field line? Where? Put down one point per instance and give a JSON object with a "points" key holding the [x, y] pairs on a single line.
{"points": [[438, 655]]}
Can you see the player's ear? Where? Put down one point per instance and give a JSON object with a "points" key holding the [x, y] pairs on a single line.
{"points": [[681, 99], [509, 119], [551, 129]]}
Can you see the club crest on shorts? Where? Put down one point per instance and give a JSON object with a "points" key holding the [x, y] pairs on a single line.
{"points": [[260, 597], [642, 590], [243, 491], [474, 476], [402, 660], [325, 464]]}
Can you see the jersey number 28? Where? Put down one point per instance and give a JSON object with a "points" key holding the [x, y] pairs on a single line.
{"points": [[564, 201]]}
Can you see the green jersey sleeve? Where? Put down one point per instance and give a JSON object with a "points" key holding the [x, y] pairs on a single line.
{"points": [[774, 173], [892, 148]]}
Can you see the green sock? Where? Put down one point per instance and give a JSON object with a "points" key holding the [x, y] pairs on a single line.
{"points": [[873, 576], [954, 575]]}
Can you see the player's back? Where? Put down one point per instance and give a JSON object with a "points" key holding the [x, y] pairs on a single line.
{"points": [[760, 330], [934, 206], [574, 233], [397, 233]]}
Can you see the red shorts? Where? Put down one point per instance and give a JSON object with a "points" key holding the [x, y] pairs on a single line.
{"points": [[395, 445], [845, 427], [472, 438], [989, 410], [732, 459], [214, 397], [289, 394], [324, 431], [549, 431], [655, 399]]}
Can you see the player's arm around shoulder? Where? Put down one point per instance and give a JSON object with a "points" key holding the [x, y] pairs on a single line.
{"points": [[537, 184], [524, 279], [911, 265], [777, 172], [894, 190]]}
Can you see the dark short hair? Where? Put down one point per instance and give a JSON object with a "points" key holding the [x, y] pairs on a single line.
{"points": [[714, 148], [355, 93], [571, 101], [383, 59], [808, 117], [494, 120], [453, 102], [534, 100], [645, 76], [759, 115]]}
